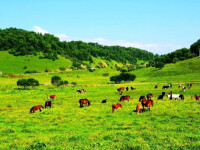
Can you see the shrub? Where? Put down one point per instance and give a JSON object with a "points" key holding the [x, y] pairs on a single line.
{"points": [[63, 83], [22, 82], [159, 65], [106, 74], [46, 70], [91, 70], [33, 71], [27, 82], [74, 83], [123, 77], [62, 68], [32, 82], [55, 80]]}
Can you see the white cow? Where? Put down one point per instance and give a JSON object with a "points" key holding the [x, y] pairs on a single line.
{"points": [[175, 96]]}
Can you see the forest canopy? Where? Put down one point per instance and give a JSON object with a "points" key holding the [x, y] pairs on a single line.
{"points": [[21, 42]]}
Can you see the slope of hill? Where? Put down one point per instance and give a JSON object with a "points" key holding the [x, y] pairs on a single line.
{"points": [[21, 64], [187, 70]]}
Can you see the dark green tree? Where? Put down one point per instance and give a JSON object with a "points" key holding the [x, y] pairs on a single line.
{"points": [[33, 82], [123, 77], [55, 80], [195, 48], [23, 82]]}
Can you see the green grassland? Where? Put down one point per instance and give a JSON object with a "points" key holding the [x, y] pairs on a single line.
{"points": [[13, 64], [171, 124]]}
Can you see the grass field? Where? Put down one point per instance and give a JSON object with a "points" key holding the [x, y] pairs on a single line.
{"points": [[171, 124]]}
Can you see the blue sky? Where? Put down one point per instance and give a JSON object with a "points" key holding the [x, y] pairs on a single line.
{"points": [[155, 25]]}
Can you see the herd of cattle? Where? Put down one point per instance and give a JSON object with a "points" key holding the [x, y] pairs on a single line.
{"points": [[146, 101]]}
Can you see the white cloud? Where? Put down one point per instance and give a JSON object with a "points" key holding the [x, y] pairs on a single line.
{"points": [[39, 30], [151, 47], [63, 37]]}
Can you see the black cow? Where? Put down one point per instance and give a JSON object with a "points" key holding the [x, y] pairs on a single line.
{"points": [[142, 98], [126, 88], [182, 97], [160, 97], [104, 101]]}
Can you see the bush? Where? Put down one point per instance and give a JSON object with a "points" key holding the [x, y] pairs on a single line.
{"points": [[106, 74], [159, 65], [46, 70], [33, 82], [55, 80], [123, 77], [33, 71], [74, 83], [63, 83], [91, 70], [62, 68], [27, 82]]}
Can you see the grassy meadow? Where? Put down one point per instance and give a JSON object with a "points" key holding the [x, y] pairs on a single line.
{"points": [[171, 124]]}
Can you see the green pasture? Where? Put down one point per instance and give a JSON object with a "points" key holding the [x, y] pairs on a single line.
{"points": [[171, 124]]}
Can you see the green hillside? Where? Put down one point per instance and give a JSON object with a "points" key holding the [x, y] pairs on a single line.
{"points": [[187, 70], [21, 64]]}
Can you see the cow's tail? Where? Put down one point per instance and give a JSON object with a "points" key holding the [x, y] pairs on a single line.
{"points": [[88, 103], [31, 110]]}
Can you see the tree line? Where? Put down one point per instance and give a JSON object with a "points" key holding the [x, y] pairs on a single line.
{"points": [[20, 42]]}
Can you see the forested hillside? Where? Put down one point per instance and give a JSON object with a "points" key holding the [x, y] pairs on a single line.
{"points": [[20, 42]]}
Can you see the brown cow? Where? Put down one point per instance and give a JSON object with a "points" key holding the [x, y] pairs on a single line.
{"points": [[123, 98], [48, 103], [139, 108], [116, 106]]}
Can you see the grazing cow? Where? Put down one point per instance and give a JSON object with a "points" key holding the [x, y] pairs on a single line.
{"points": [[132, 88], [175, 96], [142, 98], [181, 97], [83, 90], [84, 101], [52, 97], [116, 106], [34, 108], [156, 86], [160, 97], [139, 108], [180, 85], [197, 97], [167, 86], [48, 103], [184, 88], [189, 85], [149, 96], [104, 101], [126, 88], [123, 98], [79, 91], [147, 103], [121, 89]]}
